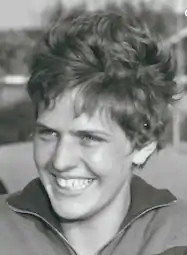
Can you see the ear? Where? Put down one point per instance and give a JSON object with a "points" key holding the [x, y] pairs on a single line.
{"points": [[143, 154]]}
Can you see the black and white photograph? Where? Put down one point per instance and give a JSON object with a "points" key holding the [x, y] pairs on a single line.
{"points": [[93, 127]]}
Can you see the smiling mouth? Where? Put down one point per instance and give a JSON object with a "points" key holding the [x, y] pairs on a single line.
{"points": [[73, 184]]}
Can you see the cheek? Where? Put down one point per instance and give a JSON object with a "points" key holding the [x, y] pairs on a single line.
{"points": [[43, 151], [103, 161]]}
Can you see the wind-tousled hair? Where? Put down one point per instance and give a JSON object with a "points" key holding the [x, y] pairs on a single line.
{"points": [[115, 64]]}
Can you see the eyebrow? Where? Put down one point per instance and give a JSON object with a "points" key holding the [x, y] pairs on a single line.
{"points": [[41, 125]]}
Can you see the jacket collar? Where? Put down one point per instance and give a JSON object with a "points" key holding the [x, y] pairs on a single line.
{"points": [[144, 198], [34, 200]]}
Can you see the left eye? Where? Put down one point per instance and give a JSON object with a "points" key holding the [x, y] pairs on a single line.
{"points": [[90, 139]]}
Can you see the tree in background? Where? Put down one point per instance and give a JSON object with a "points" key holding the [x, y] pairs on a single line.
{"points": [[17, 123], [15, 51]]}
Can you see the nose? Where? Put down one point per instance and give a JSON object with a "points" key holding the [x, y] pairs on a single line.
{"points": [[66, 155]]}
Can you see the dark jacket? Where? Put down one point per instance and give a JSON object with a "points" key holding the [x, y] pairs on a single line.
{"points": [[155, 224]]}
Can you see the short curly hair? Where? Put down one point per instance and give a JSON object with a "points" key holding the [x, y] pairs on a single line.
{"points": [[115, 63]]}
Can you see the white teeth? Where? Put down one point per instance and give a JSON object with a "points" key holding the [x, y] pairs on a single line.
{"points": [[61, 182], [73, 184]]}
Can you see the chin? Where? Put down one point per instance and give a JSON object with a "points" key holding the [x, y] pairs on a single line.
{"points": [[71, 213]]}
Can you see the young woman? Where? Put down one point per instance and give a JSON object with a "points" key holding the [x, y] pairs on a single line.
{"points": [[102, 88]]}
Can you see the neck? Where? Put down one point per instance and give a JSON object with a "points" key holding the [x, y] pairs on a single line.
{"points": [[90, 235]]}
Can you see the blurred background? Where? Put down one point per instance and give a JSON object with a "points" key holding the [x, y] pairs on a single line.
{"points": [[21, 25]]}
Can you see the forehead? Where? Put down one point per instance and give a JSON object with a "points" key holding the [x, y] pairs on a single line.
{"points": [[62, 114]]}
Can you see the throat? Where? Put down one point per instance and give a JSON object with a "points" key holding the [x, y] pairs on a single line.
{"points": [[89, 236]]}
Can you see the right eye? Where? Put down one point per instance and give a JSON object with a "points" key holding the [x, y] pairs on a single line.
{"points": [[46, 134]]}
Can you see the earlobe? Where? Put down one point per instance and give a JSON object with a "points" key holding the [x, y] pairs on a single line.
{"points": [[143, 154]]}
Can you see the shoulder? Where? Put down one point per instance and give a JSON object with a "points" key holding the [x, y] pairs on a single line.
{"points": [[166, 229], [173, 220], [176, 212], [11, 222], [7, 216], [18, 234], [8, 229], [5, 210], [178, 216]]}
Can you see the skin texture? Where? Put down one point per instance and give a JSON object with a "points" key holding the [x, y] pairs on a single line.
{"points": [[82, 147]]}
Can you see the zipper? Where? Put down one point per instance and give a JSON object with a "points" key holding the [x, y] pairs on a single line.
{"points": [[109, 242]]}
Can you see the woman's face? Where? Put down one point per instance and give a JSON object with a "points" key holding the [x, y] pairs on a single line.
{"points": [[84, 162]]}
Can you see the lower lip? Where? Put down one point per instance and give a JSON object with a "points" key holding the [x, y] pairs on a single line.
{"points": [[69, 192]]}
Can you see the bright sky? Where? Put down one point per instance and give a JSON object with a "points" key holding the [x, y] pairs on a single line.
{"points": [[21, 13], [26, 13]]}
